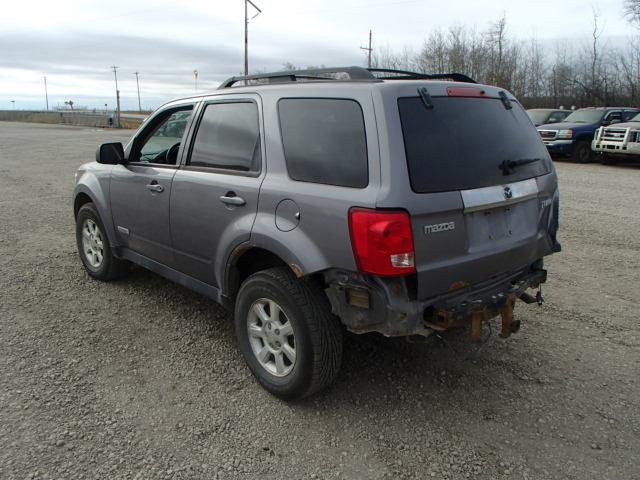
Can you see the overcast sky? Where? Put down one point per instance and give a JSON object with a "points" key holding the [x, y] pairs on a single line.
{"points": [[74, 42]]}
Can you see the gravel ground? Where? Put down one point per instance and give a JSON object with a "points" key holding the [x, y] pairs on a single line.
{"points": [[142, 379]]}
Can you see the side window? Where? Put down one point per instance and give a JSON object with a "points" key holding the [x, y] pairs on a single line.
{"points": [[161, 143], [324, 141], [614, 117], [228, 137]]}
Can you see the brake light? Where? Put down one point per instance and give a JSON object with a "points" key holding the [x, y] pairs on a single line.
{"points": [[466, 92], [382, 241]]}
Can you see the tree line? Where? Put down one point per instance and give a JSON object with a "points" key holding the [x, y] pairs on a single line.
{"points": [[592, 73]]}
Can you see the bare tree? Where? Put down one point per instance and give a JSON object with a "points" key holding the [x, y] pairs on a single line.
{"points": [[631, 10]]}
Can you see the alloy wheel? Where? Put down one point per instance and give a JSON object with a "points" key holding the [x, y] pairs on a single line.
{"points": [[271, 337]]}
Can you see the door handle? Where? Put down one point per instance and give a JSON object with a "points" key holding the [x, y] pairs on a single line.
{"points": [[155, 187], [231, 199]]}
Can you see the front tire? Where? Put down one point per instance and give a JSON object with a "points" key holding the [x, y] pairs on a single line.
{"points": [[582, 152], [288, 336], [94, 248]]}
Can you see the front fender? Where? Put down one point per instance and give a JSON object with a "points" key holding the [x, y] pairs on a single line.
{"points": [[95, 182]]}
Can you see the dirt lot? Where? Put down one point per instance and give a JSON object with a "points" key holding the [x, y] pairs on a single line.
{"points": [[142, 379]]}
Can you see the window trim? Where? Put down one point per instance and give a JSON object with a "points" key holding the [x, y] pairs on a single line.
{"points": [[152, 124], [364, 131], [196, 127]]}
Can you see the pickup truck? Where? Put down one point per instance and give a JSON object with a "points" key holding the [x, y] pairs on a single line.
{"points": [[618, 143], [572, 138]]}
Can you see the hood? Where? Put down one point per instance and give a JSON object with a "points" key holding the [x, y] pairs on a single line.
{"points": [[625, 125], [567, 126]]}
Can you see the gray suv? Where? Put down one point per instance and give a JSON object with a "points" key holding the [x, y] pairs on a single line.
{"points": [[310, 201]]}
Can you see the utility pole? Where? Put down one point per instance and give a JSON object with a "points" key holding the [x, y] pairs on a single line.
{"points": [[368, 49], [138, 86], [13, 104], [246, 32], [195, 79], [115, 76], [46, 93]]}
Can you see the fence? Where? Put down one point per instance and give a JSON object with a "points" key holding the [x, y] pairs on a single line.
{"points": [[88, 118]]}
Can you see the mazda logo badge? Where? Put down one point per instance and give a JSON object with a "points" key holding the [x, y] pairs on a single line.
{"points": [[507, 193]]}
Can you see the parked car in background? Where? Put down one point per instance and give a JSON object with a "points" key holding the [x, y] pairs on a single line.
{"points": [[543, 116], [619, 142], [572, 138]]}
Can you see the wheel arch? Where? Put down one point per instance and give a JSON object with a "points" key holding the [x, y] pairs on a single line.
{"points": [[80, 199], [93, 193], [249, 259]]}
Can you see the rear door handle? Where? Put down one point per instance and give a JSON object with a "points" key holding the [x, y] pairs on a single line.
{"points": [[231, 199], [155, 187]]}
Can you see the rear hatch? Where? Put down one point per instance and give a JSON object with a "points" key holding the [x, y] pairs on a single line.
{"points": [[482, 184]]}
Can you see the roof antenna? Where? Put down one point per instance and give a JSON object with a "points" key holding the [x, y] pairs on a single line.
{"points": [[426, 98]]}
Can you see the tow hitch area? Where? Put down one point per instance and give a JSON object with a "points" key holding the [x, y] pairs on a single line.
{"points": [[443, 320], [367, 304], [509, 324]]}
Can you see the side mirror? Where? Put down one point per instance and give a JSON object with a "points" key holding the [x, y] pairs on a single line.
{"points": [[110, 153]]}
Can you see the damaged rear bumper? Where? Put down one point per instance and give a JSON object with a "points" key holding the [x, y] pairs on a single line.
{"points": [[383, 305]]}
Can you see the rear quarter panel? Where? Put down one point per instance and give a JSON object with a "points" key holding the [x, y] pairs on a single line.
{"points": [[321, 239]]}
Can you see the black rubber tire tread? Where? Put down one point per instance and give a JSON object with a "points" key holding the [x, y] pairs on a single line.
{"points": [[575, 155], [112, 267], [323, 328]]}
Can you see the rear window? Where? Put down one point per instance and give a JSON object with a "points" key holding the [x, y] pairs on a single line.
{"points": [[461, 143], [324, 141]]}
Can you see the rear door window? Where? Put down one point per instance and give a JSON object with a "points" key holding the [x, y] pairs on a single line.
{"points": [[324, 141], [228, 138], [460, 143]]}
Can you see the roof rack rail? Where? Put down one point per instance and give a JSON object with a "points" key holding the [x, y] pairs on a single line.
{"points": [[406, 75], [354, 74]]}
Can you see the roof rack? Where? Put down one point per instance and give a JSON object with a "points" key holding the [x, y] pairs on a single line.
{"points": [[390, 74], [338, 73]]}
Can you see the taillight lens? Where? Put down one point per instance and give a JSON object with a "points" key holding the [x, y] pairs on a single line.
{"points": [[382, 241]]}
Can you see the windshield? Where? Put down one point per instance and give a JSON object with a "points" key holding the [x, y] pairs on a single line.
{"points": [[585, 116], [461, 143], [538, 116]]}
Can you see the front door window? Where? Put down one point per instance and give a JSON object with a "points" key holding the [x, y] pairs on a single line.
{"points": [[161, 144]]}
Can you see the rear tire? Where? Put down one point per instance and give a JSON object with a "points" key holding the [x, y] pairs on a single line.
{"points": [[582, 152], [94, 248], [288, 336]]}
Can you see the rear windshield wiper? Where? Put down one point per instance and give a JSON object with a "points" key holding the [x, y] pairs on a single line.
{"points": [[426, 98], [508, 166]]}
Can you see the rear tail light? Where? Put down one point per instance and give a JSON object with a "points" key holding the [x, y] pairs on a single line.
{"points": [[382, 241]]}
